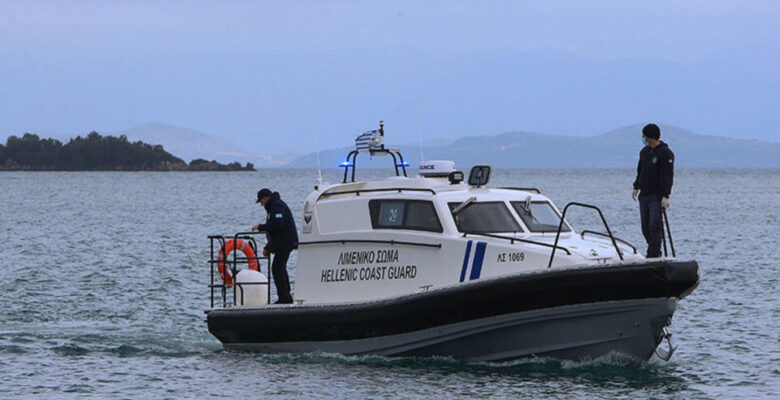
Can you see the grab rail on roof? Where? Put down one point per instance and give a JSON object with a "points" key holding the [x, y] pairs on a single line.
{"points": [[359, 191], [522, 189]]}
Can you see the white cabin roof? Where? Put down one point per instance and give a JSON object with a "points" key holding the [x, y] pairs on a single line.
{"points": [[420, 187]]}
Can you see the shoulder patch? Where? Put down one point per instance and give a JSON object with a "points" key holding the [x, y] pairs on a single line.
{"points": [[278, 215]]}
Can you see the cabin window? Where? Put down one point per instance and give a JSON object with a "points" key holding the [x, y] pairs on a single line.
{"points": [[539, 216], [391, 213], [485, 217], [404, 214]]}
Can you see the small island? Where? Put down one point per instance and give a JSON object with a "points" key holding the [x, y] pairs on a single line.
{"points": [[98, 153]]}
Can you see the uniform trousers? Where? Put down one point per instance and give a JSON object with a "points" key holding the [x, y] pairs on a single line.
{"points": [[652, 226], [281, 280]]}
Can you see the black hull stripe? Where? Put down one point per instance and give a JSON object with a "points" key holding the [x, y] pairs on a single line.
{"points": [[479, 299]]}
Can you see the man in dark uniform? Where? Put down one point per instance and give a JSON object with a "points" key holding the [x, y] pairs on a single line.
{"points": [[282, 239], [654, 178]]}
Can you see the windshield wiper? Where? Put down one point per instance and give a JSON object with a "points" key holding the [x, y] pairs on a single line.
{"points": [[527, 207], [462, 206]]}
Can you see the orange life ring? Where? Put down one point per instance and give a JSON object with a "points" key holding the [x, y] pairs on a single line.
{"points": [[231, 245]]}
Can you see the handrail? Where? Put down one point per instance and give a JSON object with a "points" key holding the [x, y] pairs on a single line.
{"points": [[391, 242], [583, 233], [232, 263], [604, 220], [235, 264], [668, 231], [392, 152], [512, 241], [524, 189], [358, 191]]}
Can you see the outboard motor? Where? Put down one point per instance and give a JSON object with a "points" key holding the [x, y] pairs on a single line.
{"points": [[251, 288]]}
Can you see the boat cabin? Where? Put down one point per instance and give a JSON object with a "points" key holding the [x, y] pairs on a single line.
{"points": [[374, 239]]}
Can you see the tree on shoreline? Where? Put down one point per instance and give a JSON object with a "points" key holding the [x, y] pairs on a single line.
{"points": [[97, 153]]}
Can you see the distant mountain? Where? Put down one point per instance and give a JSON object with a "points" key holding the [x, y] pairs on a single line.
{"points": [[618, 148], [190, 144]]}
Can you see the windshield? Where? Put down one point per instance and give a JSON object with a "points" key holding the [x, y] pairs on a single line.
{"points": [[485, 217], [539, 217]]}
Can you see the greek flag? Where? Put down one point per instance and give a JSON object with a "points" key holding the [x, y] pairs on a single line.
{"points": [[367, 140]]}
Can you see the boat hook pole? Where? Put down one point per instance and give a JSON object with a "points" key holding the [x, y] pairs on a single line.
{"points": [[669, 232]]}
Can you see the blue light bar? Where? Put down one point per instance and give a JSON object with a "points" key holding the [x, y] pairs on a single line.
{"points": [[345, 164]]}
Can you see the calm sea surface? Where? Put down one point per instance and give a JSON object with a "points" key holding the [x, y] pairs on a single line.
{"points": [[103, 285]]}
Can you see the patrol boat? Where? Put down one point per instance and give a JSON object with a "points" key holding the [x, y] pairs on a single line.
{"points": [[435, 266]]}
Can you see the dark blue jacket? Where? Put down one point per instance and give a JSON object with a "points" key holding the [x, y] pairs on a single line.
{"points": [[279, 226], [655, 170]]}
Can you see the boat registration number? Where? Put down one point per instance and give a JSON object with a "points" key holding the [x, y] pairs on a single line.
{"points": [[511, 257]]}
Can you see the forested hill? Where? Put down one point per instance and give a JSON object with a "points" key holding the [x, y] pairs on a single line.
{"points": [[97, 153]]}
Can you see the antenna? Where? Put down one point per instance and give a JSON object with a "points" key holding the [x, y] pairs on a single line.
{"points": [[419, 130], [319, 168], [316, 144]]}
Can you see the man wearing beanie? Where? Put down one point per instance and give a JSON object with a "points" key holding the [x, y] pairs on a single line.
{"points": [[282, 236], [654, 177]]}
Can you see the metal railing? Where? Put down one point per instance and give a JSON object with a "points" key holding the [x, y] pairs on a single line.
{"points": [[231, 263], [512, 240], [395, 153], [560, 226], [390, 242], [357, 192], [522, 189], [588, 232], [668, 232]]}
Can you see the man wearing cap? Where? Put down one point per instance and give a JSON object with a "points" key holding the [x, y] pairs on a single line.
{"points": [[282, 239], [654, 178]]}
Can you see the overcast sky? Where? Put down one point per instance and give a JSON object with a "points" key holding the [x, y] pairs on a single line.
{"points": [[272, 74]]}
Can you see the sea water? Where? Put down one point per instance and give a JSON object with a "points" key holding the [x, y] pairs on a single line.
{"points": [[103, 283]]}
